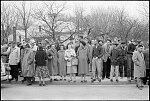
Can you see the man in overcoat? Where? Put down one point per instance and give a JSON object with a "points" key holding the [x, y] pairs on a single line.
{"points": [[139, 66]]}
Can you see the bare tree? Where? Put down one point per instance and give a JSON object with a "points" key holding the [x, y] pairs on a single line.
{"points": [[103, 23], [51, 14], [25, 16], [9, 19], [144, 9]]}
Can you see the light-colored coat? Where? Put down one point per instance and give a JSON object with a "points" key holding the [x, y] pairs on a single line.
{"points": [[69, 54], [139, 64], [83, 56], [14, 56], [28, 64], [106, 51]]}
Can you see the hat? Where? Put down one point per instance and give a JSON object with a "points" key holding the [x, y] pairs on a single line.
{"points": [[27, 46], [132, 40], [123, 43], [83, 43], [115, 43]]}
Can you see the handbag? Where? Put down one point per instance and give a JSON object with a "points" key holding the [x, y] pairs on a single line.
{"points": [[9, 77], [7, 66], [74, 62]]}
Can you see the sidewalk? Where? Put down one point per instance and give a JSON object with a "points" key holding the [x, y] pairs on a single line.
{"points": [[78, 82]]}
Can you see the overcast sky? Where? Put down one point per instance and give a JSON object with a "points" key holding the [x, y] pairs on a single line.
{"points": [[131, 7]]}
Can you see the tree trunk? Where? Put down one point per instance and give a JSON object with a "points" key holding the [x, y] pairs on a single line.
{"points": [[25, 34], [54, 39]]}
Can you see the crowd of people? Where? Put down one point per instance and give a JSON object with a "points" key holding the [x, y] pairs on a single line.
{"points": [[101, 59]]}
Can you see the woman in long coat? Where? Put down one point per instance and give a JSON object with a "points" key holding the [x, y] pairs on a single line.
{"points": [[62, 62], [52, 61], [139, 65], [83, 56], [28, 64], [22, 52]]}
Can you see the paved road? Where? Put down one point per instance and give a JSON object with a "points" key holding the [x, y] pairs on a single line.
{"points": [[73, 92]]}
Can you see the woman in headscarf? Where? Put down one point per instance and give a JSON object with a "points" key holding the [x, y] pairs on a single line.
{"points": [[41, 69], [53, 62], [62, 62]]}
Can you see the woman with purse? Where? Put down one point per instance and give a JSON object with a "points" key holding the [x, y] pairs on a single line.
{"points": [[28, 64], [83, 57], [71, 67]]}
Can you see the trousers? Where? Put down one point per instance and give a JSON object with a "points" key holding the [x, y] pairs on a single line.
{"points": [[14, 71], [114, 69], [139, 81], [97, 64], [130, 66], [106, 68]]}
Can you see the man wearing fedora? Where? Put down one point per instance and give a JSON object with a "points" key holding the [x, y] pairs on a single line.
{"points": [[139, 66]]}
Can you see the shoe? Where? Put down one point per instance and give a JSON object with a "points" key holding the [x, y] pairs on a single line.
{"points": [[16, 79], [9, 80], [99, 80], [23, 81], [102, 78], [64, 79], [117, 80], [121, 78], [81, 80], [40, 84], [111, 80], [140, 88], [43, 84], [108, 78], [129, 80], [51, 80], [56, 80], [69, 80], [33, 79], [29, 84], [93, 80], [85, 80]]}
